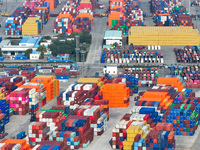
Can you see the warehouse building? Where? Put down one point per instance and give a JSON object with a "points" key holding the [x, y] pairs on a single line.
{"points": [[113, 36], [26, 43]]}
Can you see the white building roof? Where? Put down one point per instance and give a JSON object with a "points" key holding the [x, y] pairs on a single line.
{"points": [[113, 34]]}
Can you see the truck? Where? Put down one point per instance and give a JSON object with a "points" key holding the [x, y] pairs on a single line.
{"points": [[100, 5]]}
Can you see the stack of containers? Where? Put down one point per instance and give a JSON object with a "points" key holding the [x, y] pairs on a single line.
{"points": [[2, 124], [184, 113], [32, 26], [189, 74], [63, 23], [170, 13], [79, 132], [62, 77], [133, 131], [131, 82], [84, 4], [117, 94], [125, 14], [83, 21], [38, 132], [3, 93], [76, 94], [54, 145], [44, 9], [13, 25], [51, 84], [163, 102], [4, 107], [171, 81], [32, 4], [29, 74], [19, 101], [188, 54], [52, 4], [14, 144], [91, 80], [33, 89], [51, 117], [98, 119], [162, 96], [47, 69], [145, 75]]}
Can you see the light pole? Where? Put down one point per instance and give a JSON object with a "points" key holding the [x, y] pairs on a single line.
{"points": [[83, 60]]}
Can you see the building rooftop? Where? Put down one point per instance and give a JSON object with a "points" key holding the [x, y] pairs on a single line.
{"points": [[113, 34], [35, 52], [31, 40], [4, 43]]}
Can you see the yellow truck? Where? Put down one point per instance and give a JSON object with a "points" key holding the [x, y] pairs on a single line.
{"points": [[5, 14]]}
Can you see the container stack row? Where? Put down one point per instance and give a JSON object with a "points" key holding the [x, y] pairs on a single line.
{"points": [[189, 74], [33, 14], [117, 94], [76, 17], [4, 108], [13, 25], [125, 14], [131, 56], [15, 144], [131, 81], [51, 84], [188, 54], [170, 13], [144, 75], [69, 128], [32, 26], [2, 124], [134, 131]]}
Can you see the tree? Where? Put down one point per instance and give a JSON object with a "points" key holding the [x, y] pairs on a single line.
{"points": [[42, 49], [0, 52], [85, 37], [47, 37], [115, 44], [53, 49], [28, 52]]}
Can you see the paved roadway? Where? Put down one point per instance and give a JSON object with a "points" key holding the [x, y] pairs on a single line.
{"points": [[48, 28], [98, 31]]}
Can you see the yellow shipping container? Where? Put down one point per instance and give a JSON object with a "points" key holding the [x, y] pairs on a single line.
{"points": [[31, 26], [164, 36], [89, 80]]}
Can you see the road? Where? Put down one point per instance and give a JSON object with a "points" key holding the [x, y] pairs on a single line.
{"points": [[98, 31], [48, 28], [145, 6]]}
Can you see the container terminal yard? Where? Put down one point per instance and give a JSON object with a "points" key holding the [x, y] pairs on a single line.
{"points": [[97, 74]]}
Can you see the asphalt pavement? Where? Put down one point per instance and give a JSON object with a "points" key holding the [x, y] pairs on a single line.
{"points": [[98, 32]]}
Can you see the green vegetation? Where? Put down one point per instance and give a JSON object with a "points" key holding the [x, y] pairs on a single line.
{"points": [[68, 47], [42, 49], [0, 52], [46, 37], [115, 45], [28, 52]]}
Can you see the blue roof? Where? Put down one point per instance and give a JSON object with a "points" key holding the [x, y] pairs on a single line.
{"points": [[35, 52], [37, 43], [27, 39]]}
